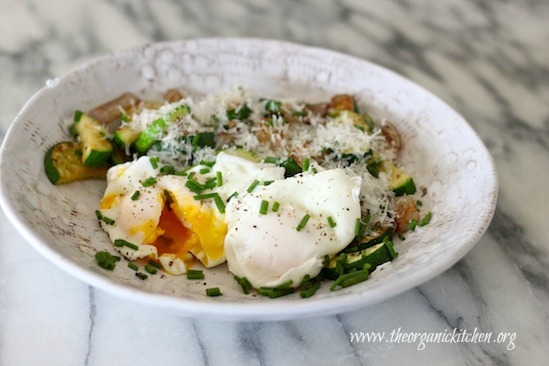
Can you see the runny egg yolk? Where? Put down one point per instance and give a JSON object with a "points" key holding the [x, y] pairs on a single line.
{"points": [[176, 239], [206, 229]]}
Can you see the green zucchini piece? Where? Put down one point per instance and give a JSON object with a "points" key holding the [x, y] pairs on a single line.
{"points": [[335, 267], [343, 102], [400, 182], [148, 137], [125, 136], [355, 261], [243, 153], [359, 121], [63, 164], [96, 149], [72, 127], [151, 134], [374, 256], [376, 237]]}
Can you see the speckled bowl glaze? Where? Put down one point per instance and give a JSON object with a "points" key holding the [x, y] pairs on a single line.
{"points": [[441, 151]]}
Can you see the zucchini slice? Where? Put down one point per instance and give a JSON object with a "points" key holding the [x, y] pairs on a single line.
{"points": [[343, 102], [361, 122], [96, 149], [376, 237], [374, 256], [125, 136], [244, 154], [63, 164], [150, 135], [400, 182]]}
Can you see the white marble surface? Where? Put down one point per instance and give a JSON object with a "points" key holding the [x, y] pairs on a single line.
{"points": [[487, 59]]}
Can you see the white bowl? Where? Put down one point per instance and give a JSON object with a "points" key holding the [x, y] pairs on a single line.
{"points": [[441, 151]]}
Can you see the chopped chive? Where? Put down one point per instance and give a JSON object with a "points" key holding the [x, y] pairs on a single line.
{"points": [[268, 182], [217, 200], [366, 219], [122, 243], [191, 174], [204, 170], [303, 222], [154, 162], [207, 163], [133, 266], [351, 278], [244, 283], [419, 203], [301, 113], [195, 274], [358, 228], [306, 163], [107, 220], [205, 196], [148, 182], [210, 183], [78, 115], [150, 269], [252, 186], [124, 117], [98, 214], [412, 225], [155, 264], [305, 278], [390, 248], [167, 169], [106, 260], [283, 285], [141, 276], [219, 177], [331, 221], [401, 237], [232, 195], [219, 203], [135, 195], [169, 198], [309, 289], [271, 160], [194, 186], [264, 207], [272, 293], [426, 219], [276, 206], [214, 291], [313, 169]]}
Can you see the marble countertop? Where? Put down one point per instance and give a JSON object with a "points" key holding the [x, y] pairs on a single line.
{"points": [[489, 60]]}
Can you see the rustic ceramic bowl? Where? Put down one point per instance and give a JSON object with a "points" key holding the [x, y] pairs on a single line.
{"points": [[441, 151]]}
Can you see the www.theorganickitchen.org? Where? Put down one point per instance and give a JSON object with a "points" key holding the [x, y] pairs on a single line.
{"points": [[447, 336]]}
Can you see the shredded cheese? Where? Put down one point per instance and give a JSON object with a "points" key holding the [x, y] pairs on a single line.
{"points": [[294, 131]]}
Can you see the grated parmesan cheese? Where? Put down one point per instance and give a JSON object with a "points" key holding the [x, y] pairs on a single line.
{"points": [[323, 139]]}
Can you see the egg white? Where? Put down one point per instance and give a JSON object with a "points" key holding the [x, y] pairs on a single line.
{"points": [[198, 226], [268, 249]]}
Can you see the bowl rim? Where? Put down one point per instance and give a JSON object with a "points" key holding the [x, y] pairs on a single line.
{"points": [[279, 309]]}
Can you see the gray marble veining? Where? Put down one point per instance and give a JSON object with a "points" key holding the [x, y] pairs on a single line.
{"points": [[487, 59]]}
